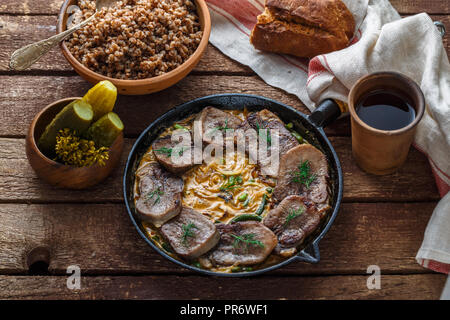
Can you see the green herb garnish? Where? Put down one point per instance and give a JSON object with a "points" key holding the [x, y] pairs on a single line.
{"points": [[157, 192], [264, 134], [180, 153], [293, 213], [164, 150], [247, 240], [225, 128], [188, 232], [167, 247], [232, 183], [168, 151], [180, 127], [303, 175], [72, 150], [236, 269]]}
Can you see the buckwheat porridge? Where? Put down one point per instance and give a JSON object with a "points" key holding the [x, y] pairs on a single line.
{"points": [[136, 39]]}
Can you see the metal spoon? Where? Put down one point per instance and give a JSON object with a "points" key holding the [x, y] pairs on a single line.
{"points": [[441, 27], [28, 55]]}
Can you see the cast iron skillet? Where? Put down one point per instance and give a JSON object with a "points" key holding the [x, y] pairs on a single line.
{"points": [[310, 127]]}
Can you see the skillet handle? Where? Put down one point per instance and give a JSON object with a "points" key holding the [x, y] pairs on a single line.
{"points": [[310, 254], [327, 111]]}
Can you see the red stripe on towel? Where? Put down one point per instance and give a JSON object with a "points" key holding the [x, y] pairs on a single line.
{"points": [[438, 266], [356, 37], [442, 186], [315, 66], [232, 22], [314, 76], [243, 11], [328, 66]]}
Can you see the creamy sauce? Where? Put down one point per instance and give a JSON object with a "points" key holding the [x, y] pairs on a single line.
{"points": [[205, 188]]}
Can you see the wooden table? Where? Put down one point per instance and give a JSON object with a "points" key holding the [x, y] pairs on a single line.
{"points": [[381, 221]]}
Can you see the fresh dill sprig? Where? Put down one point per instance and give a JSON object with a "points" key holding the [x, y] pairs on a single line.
{"points": [[264, 133], [303, 174], [293, 213], [157, 192], [164, 150], [180, 127], [168, 151], [181, 150], [72, 150], [188, 232], [225, 128], [247, 240], [232, 183]]}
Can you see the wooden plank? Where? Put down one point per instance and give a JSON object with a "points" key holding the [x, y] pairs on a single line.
{"points": [[19, 104], [413, 182], [26, 95], [21, 184], [360, 186], [417, 6], [101, 239], [199, 288], [18, 31], [43, 7]]}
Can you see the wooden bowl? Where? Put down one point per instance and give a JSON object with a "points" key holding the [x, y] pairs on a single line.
{"points": [[59, 174], [141, 86]]}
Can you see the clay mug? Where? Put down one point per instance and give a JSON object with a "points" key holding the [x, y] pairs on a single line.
{"points": [[377, 151]]}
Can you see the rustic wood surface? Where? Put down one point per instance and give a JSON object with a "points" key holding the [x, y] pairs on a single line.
{"points": [[381, 222], [425, 286]]}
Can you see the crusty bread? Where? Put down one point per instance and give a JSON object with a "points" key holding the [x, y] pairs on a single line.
{"points": [[303, 28]]}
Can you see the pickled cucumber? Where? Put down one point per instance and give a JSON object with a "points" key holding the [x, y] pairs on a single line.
{"points": [[102, 98], [77, 116], [105, 130]]}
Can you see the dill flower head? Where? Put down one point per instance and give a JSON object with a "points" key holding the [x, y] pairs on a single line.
{"points": [[73, 150]]}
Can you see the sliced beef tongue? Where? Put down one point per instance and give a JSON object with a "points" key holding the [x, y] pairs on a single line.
{"points": [[303, 171], [292, 221], [243, 243], [270, 128], [214, 122], [190, 234], [158, 194], [177, 157]]}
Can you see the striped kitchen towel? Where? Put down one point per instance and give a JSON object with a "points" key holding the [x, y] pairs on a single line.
{"points": [[382, 42]]}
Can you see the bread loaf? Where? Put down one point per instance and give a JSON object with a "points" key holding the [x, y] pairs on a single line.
{"points": [[303, 28]]}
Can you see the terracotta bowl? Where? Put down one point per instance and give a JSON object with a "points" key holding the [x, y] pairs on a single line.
{"points": [[141, 86], [56, 173]]}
